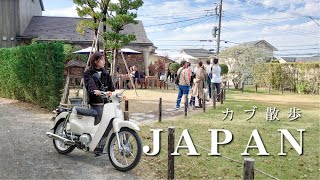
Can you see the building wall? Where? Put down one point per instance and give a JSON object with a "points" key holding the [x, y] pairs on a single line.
{"points": [[28, 9], [9, 22], [266, 49], [15, 16], [132, 60]]}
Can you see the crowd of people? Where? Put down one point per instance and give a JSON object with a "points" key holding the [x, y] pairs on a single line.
{"points": [[203, 77]]}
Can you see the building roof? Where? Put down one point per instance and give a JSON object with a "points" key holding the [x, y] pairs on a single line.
{"points": [[253, 43], [76, 63], [308, 59], [48, 28], [289, 59], [198, 53]]}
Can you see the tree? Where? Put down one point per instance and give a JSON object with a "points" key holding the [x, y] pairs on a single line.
{"points": [[241, 61], [88, 10], [115, 15]]}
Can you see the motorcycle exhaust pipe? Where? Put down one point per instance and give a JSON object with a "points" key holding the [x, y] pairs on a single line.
{"points": [[59, 138]]}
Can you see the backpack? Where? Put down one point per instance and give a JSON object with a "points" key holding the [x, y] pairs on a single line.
{"points": [[210, 74], [209, 77]]}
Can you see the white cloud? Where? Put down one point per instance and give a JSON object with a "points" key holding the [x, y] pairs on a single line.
{"points": [[200, 1], [63, 12], [276, 30]]}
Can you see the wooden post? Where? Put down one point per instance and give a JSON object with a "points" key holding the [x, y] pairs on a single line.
{"points": [[160, 109], [167, 84], [214, 99], [256, 88], [186, 106], [221, 95], [126, 65], [228, 85], [242, 87], [248, 169], [66, 91], [126, 111], [204, 102], [224, 94], [170, 150]]}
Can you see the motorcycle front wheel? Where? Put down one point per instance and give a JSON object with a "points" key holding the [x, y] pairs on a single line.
{"points": [[60, 146], [128, 156]]}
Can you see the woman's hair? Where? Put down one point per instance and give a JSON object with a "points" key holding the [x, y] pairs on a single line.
{"points": [[182, 63], [200, 64], [215, 61], [95, 57]]}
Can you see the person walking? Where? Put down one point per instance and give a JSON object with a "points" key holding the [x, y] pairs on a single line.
{"points": [[184, 82], [197, 89], [216, 77]]}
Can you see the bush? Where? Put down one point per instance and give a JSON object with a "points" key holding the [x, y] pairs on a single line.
{"points": [[304, 77], [174, 67], [69, 55], [224, 69], [304, 87], [33, 73]]}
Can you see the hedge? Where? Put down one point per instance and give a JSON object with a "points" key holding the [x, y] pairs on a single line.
{"points": [[301, 77], [33, 73]]}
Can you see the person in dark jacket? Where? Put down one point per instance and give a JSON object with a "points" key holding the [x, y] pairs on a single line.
{"points": [[95, 86]]}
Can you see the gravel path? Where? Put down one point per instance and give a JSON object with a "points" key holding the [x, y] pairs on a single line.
{"points": [[27, 153]]}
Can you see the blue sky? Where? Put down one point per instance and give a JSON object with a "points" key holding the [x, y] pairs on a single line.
{"points": [[173, 25]]}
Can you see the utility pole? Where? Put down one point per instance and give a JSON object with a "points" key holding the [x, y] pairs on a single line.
{"points": [[219, 27]]}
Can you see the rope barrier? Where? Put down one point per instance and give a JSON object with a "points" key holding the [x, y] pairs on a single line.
{"points": [[233, 160]]}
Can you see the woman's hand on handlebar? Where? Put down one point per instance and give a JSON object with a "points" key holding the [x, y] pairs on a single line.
{"points": [[97, 92]]}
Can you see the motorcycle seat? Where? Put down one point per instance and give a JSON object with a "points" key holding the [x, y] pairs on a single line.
{"points": [[86, 112]]}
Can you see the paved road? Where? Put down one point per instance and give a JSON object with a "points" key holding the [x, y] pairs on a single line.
{"points": [[26, 152]]}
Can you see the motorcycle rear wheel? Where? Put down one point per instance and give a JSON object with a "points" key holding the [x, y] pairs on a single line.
{"points": [[61, 147], [127, 158]]}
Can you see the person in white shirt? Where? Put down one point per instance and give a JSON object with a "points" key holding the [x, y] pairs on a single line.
{"points": [[216, 77]]}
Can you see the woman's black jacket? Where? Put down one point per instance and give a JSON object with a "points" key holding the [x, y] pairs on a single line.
{"points": [[93, 84]]}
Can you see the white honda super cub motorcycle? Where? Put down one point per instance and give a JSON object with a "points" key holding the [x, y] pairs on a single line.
{"points": [[75, 128]]}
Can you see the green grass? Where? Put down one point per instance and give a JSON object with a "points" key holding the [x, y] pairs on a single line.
{"points": [[291, 166]]}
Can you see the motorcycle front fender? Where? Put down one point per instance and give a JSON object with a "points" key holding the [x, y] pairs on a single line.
{"points": [[119, 123], [62, 115]]}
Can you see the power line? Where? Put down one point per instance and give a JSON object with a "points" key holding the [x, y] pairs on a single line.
{"points": [[266, 25], [283, 11], [297, 54], [179, 16], [314, 21], [209, 40], [274, 8], [263, 23], [179, 13], [175, 22], [298, 49], [181, 26], [301, 45]]}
